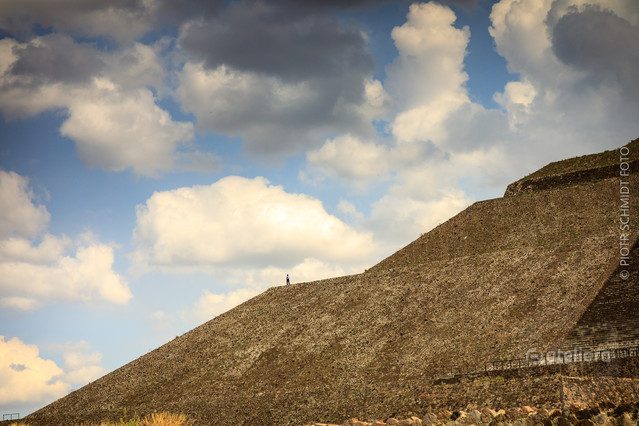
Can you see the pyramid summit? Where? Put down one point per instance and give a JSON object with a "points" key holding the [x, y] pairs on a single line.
{"points": [[537, 270]]}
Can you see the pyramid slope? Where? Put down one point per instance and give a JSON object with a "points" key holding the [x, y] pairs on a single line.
{"points": [[612, 318], [501, 277], [585, 168]]}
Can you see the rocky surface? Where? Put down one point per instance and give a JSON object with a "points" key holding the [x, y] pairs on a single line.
{"points": [[604, 414], [500, 278], [576, 170]]}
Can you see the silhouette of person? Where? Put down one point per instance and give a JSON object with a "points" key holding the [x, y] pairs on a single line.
{"points": [[288, 280]]}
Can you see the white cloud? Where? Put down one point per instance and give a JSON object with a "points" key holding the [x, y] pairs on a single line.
{"points": [[520, 36], [83, 277], [347, 157], [32, 274], [115, 130], [273, 116], [113, 118], [239, 221], [411, 217], [25, 377], [430, 151], [560, 109], [49, 250], [427, 78], [18, 215], [516, 99], [80, 365], [28, 381]]}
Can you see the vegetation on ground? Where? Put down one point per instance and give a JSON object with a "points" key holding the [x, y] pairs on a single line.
{"points": [[154, 419]]}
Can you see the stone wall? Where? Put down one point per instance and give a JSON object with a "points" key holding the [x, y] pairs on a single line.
{"points": [[496, 392], [605, 413], [540, 392], [612, 318], [588, 391], [586, 383], [565, 179]]}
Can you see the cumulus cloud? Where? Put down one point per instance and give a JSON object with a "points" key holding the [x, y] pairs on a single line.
{"points": [[81, 366], [85, 276], [19, 216], [29, 381], [115, 130], [563, 95], [123, 20], [26, 377], [427, 79], [56, 58], [274, 116], [445, 146], [33, 273], [113, 116], [281, 78], [435, 130], [349, 158], [600, 43], [576, 70], [265, 39], [238, 221]]}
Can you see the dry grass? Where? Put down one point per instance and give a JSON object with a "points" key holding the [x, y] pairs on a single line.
{"points": [[155, 419], [165, 419]]}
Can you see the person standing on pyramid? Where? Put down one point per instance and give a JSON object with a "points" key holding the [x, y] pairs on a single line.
{"points": [[288, 280]]}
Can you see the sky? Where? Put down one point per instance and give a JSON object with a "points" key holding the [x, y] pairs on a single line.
{"points": [[160, 164]]}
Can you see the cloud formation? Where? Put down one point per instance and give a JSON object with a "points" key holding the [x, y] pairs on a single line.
{"points": [[113, 116], [30, 381], [581, 102], [19, 216], [279, 77], [264, 39], [121, 20], [238, 221], [567, 102], [602, 44], [27, 378], [33, 273], [81, 366], [427, 85], [427, 80], [347, 157]]}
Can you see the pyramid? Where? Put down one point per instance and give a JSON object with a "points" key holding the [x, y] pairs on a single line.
{"points": [[538, 268]]}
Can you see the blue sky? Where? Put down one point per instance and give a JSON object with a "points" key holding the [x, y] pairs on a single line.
{"points": [[159, 166]]}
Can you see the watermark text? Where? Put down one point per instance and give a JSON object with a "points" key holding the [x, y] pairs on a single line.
{"points": [[624, 212]]}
